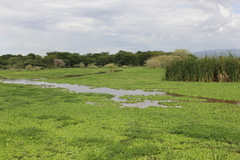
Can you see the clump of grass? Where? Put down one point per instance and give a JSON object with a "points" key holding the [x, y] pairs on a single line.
{"points": [[207, 69], [80, 65], [110, 65], [125, 66], [92, 65], [32, 68]]}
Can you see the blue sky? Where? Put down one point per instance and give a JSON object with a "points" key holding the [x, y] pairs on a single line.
{"points": [[2, 39], [91, 26], [236, 6]]}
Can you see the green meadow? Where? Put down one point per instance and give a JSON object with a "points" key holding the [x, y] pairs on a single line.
{"points": [[53, 123]]}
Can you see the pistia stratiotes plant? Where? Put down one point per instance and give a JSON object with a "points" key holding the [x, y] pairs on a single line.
{"points": [[58, 124], [207, 69]]}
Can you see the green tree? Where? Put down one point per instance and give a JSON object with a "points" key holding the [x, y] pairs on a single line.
{"points": [[15, 62], [126, 58], [143, 56], [48, 60], [105, 59], [33, 60]]}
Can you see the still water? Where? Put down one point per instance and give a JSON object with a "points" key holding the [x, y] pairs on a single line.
{"points": [[87, 89], [117, 93]]}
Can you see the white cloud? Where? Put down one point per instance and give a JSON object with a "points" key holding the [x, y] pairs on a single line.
{"points": [[84, 26]]}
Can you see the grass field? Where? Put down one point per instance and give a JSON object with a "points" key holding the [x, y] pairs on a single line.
{"points": [[47, 123]]}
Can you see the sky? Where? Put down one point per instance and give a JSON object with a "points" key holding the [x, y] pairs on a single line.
{"points": [[94, 26]]}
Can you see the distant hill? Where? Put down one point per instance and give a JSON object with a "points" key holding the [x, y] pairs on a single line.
{"points": [[217, 52]]}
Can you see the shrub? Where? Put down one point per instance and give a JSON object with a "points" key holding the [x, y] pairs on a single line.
{"points": [[31, 68], [76, 66], [80, 65], [163, 60], [92, 65], [110, 65], [37, 68], [28, 67], [153, 62], [58, 63], [125, 66]]}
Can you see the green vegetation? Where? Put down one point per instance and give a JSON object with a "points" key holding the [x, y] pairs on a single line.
{"points": [[48, 73], [46, 123], [75, 60], [165, 59], [207, 69], [131, 79], [145, 79]]}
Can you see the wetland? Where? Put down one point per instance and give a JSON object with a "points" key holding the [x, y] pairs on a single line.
{"points": [[118, 93], [132, 114]]}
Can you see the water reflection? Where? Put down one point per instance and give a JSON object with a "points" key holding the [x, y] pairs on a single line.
{"points": [[87, 89], [116, 92]]}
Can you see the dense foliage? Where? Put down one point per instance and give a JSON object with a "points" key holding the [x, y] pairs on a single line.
{"points": [[207, 69], [74, 60]]}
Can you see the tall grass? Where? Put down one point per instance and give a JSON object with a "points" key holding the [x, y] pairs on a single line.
{"points": [[207, 69]]}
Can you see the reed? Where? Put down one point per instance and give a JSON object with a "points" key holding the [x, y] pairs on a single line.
{"points": [[207, 69]]}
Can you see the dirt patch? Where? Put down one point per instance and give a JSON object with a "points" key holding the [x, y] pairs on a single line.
{"points": [[208, 100]]}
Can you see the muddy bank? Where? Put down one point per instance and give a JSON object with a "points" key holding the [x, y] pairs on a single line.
{"points": [[208, 100], [80, 75]]}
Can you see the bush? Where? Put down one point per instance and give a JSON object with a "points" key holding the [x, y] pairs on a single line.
{"points": [[125, 66], [31, 68], [58, 63], [80, 65], [28, 67], [110, 65], [153, 62], [2, 67], [163, 60], [37, 68], [92, 65]]}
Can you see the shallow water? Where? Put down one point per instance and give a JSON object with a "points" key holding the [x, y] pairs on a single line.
{"points": [[117, 93], [87, 89]]}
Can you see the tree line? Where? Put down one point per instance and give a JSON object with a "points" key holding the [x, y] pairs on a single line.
{"points": [[75, 60]]}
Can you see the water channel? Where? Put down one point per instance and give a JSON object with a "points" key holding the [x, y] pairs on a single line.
{"points": [[117, 93]]}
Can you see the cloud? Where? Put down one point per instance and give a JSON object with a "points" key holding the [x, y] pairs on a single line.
{"points": [[85, 26]]}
